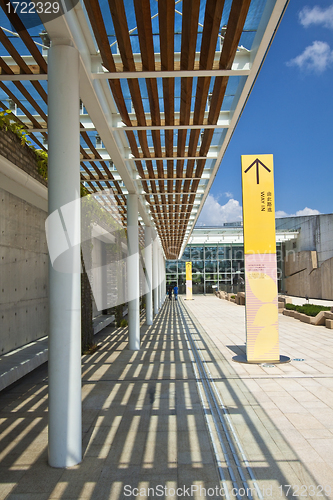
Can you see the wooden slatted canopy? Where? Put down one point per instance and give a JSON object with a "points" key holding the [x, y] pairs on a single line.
{"points": [[176, 76]]}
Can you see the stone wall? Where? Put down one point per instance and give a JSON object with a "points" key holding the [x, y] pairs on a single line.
{"points": [[22, 156]]}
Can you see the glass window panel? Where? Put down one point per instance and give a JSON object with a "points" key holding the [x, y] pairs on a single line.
{"points": [[211, 266], [238, 265], [171, 276], [198, 287], [224, 252], [181, 280], [225, 266], [171, 266], [197, 265], [211, 286], [210, 253], [197, 253], [238, 253], [186, 254], [225, 277], [197, 278], [181, 266], [211, 276]]}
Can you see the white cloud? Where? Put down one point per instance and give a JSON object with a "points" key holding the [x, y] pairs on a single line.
{"points": [[308, 211], [214, 214], [316, 57], [228, 194], [316, 15], [281, 213], [305, 211]]}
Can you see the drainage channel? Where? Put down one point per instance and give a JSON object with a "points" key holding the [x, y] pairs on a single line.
{"points": [[236, 475]]}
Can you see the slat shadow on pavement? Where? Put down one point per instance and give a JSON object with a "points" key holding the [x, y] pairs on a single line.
{"points": [[143, 422]]}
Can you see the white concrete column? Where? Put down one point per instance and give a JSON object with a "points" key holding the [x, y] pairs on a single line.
{"points": [[163, 280], [133, 273], [65, 425], [155, 276], [149, 275], [159, 277]]}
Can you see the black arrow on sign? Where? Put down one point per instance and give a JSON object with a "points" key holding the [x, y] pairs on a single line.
{"points": [[257, 162]]}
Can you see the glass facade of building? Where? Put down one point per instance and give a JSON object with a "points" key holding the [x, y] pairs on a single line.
{"points": [[214, 267]]}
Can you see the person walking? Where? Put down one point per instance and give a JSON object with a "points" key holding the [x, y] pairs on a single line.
{"points": [[175, 292], [170, 292]]}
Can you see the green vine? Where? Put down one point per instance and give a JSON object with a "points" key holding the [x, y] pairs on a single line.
{"points": [[17, 128], [7, 123], [95, 212], [42, 160]]}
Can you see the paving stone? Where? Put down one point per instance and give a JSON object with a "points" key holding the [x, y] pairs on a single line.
{"points": [[143, 420]]}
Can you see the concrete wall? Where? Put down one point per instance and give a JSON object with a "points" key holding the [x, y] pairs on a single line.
{"points": [[309, 258], [305, 278], [23, 273], [315, 233], [23, 250]]}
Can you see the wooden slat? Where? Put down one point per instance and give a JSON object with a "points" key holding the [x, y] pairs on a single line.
{"points": [[23, 90], [118, 14], [166, 17], [213, 15], [145, 33], [237, 17], [212, 21], [87, 139], [21, 63], [190, 20], [25, 37], [17, 101], [97, 23], [122, 33]]}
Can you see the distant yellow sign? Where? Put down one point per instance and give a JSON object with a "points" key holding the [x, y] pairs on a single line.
{"points": [[258, 204], [188, 280], [262, 337]]}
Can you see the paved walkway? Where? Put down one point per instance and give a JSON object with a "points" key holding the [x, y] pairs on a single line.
{"points": [[19, 362], [147, 421]]}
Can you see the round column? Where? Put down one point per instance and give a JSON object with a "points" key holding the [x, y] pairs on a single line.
{"points": [[133, 273], [155, 276], [149, 275], [159, 277], [65, 425]]}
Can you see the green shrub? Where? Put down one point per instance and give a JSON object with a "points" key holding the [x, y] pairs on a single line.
{"points": [[232, 296], [308, 309], [123, 323], [311, 309]]}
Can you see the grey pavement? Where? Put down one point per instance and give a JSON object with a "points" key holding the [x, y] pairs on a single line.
{"points": [[147, 426]]}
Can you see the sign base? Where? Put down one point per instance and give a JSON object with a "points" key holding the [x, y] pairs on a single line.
{"points": [[243, 359]]}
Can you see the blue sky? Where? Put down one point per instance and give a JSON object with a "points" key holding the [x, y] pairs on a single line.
{"points": [[289, 114]]}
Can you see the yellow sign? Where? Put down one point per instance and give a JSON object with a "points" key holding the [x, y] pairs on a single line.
{"points": [[188, 280], [258, 204], [262, 336]]}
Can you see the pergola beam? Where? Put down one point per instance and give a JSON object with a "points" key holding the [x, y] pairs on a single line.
{"points": [[68, 27]]}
